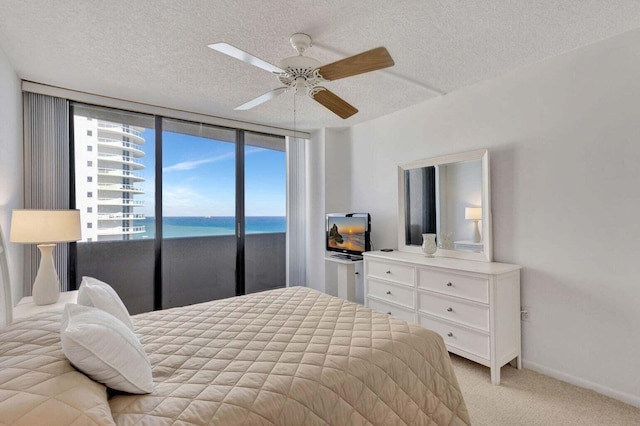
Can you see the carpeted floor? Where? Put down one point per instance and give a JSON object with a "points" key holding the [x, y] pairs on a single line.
{"points": [[525, 397]]}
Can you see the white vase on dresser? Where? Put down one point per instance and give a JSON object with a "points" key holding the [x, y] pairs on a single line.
{"points": [[474, 306]]}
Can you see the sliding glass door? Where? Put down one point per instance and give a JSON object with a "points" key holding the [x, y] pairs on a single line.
{"points": [[265, 202], [114, 156], [199, 240]]}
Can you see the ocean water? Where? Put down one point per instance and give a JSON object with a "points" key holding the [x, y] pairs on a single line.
{"points": [[199, 226]]}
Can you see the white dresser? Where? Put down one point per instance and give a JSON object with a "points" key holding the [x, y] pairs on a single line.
{"points": [[474, 306]]}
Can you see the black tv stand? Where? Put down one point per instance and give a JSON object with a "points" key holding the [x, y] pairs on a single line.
{"points": [[352, 257]]}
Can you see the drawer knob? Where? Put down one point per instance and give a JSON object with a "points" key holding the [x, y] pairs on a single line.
{"points": [[357, 273], [389, 313], [449, 309], [449, 284], [388, 272], [388, 291], [450, 334]]}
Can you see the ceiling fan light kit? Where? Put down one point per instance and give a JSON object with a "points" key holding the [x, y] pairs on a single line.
{"points": [[304, 75]]}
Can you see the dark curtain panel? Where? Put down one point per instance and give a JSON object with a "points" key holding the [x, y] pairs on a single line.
{"points": [[420, 203], [429, 200]]}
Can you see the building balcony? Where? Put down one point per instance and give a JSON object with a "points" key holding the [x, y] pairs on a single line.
{"points": [[121, 216], [121, 130], [133, 148], [119, 202], [121, 230], [120, 173], [119, 188], [122, 159]]}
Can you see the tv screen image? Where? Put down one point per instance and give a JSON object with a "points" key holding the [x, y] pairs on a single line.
{"points": [[348, 233]]}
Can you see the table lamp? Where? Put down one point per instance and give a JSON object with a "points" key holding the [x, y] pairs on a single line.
{"points": [[474, 214], [45, 228]]}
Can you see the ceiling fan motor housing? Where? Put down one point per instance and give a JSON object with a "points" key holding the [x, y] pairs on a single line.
{"points": [[301, 71]]}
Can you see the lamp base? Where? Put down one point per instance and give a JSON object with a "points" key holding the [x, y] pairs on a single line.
{"points": [[46, 287], [476, 233]]}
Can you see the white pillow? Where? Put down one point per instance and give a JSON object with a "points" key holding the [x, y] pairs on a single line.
{"points": [[103, 348], [101, 295]]}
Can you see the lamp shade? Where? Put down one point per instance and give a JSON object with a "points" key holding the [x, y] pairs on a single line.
{"points": [[45, 226], [473, 213]]}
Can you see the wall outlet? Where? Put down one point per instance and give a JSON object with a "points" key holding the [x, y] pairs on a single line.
{"points": [[524, 313]]}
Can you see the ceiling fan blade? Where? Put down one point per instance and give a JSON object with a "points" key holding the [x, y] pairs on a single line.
{"points": [[371, 60], [262, 99], [234, 52], [334, 103]]}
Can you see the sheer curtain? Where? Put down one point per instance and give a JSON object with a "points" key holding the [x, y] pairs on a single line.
{"points": [[296, 213], [46, 173]]}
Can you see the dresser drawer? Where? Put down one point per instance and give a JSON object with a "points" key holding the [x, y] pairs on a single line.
{"points": [[401, 274], [393, 293], [465, 286], [458, 337], [387, 308], [454, 309]]}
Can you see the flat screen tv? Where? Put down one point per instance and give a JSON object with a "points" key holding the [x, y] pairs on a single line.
{"points": [[348, 233]]}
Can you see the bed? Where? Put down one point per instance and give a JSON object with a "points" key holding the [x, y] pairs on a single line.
{"points": [[291, 356]]}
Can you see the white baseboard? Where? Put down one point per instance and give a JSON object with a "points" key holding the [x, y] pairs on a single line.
{"points": [[612, 393]]}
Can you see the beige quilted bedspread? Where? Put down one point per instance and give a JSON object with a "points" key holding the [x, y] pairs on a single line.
{"points": [[38, 385], [291, 357]]}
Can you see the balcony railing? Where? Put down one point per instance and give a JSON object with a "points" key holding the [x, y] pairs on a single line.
{"points": [[119, 187], [188, 280], [115, 143], [119, 202], [120, 159], [121, 230], [119, 173], [119, 128], [121, 216]]}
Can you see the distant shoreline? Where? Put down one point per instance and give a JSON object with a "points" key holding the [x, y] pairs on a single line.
{"points": [[200, 226]]}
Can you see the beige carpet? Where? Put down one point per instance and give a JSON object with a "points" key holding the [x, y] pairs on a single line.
{"points": [[528, 398]]}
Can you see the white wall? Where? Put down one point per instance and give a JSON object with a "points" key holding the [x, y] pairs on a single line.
{"points": [[337, 188], [328, 191], [564, 142], [11, 186]]}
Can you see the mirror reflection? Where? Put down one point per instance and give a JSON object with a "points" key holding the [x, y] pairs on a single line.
{"points": [[445, 199]]}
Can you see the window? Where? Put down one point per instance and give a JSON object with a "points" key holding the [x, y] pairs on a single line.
{"points": [[119, 245], [124, 182], [89, 132], [222, 218]]}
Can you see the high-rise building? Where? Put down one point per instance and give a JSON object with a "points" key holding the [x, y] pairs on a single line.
{"points": [[107, 156]]}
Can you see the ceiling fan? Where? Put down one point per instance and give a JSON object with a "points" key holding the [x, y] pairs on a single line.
{"points": [[305, 75]]}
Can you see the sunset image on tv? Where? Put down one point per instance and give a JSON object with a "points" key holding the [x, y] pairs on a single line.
{"points": [[347, 233]]}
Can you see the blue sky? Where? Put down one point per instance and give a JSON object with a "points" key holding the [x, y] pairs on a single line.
{"points": [[199, 178]]}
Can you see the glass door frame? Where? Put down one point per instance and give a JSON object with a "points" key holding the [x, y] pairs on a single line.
{"points": [[240, 222]]}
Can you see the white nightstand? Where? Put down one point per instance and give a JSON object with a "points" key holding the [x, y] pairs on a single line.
{"points": [[26, 307], [349, 271]]}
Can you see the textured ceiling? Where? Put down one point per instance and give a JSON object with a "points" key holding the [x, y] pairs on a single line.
{"points": [[155, 52]]}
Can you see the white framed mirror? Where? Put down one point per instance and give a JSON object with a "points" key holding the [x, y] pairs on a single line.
{"points": [[448, 196]]}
